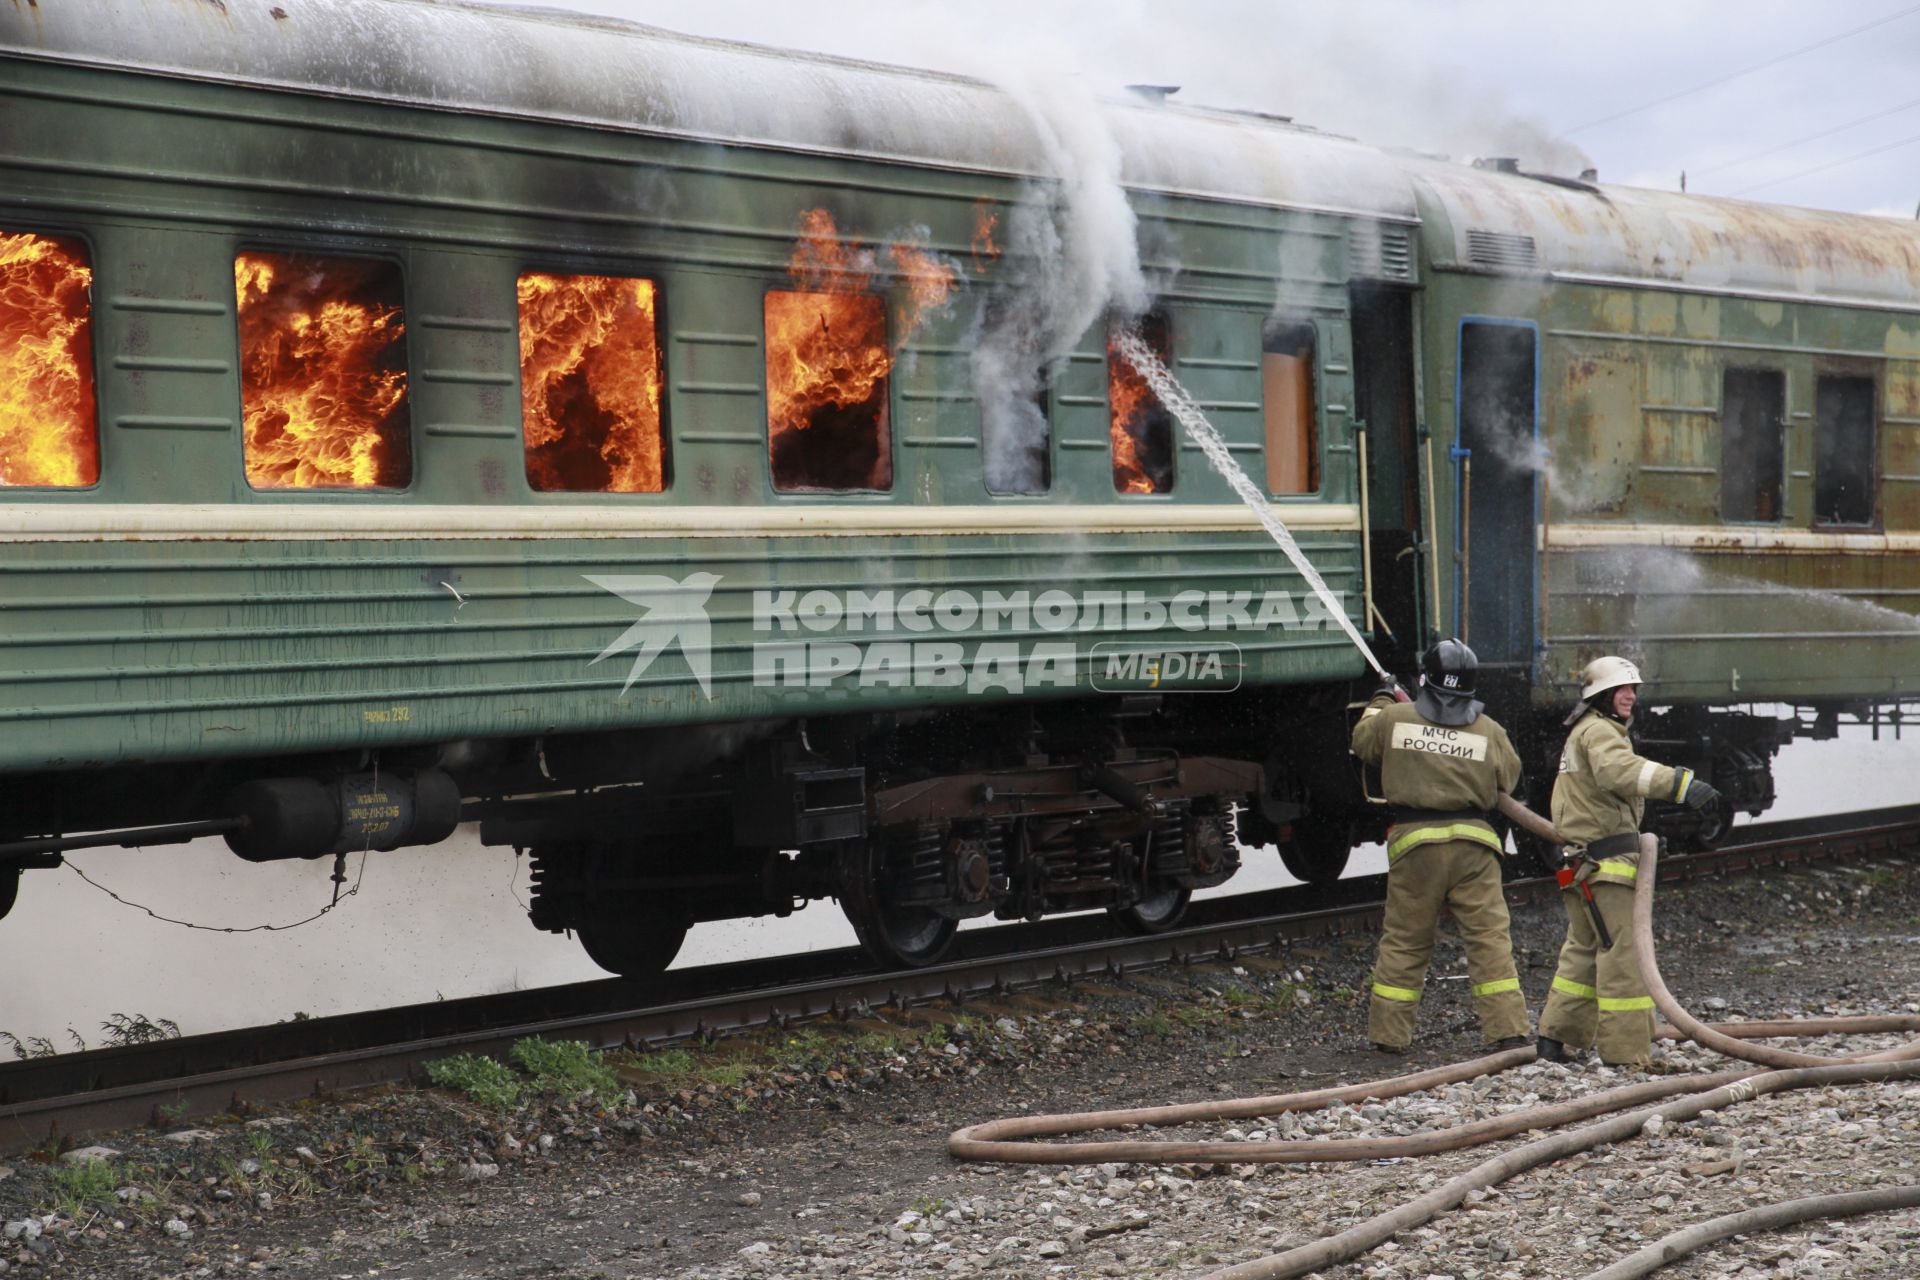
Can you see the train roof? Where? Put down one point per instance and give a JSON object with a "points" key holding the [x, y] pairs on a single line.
{"points": [[1530, 224], [603, 73]]}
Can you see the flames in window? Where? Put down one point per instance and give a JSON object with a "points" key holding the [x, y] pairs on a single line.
{"points": [[828, 357], [48, 433], [1141, 429], [985, 223], [323, 373], [590, 384]]}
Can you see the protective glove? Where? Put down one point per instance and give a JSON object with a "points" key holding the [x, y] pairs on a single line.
{"points": [[1700, 795], [1390, 688]]}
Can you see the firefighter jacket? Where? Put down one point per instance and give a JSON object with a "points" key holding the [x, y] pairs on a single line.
{"points": [[1602, 792], [1442, 779]]}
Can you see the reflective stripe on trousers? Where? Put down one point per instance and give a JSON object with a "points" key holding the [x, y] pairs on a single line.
{"points": [[1626, 1005]]}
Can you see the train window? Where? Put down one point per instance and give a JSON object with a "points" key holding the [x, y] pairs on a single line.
{"points": [[1286, 391], [49, 432], [1845, 442], [1017, 433], [590, 374], [1753, 437], [323, 372], [1139, 426], [1016, 430], [827, 364]]}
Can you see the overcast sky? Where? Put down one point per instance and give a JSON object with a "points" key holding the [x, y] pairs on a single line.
{"points": [[1476, 77]]}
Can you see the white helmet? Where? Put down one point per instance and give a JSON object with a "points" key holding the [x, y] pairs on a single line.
{"points": [[1607, 673]]}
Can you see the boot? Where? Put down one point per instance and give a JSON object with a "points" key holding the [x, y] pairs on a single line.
{"points": [[1508, 1042], [1551, 1050]]}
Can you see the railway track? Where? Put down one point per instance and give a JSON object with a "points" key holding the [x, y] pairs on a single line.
{"points": [[73, 1094]]}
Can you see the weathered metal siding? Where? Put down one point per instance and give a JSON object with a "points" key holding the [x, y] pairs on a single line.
{"points": [[1636, 556], [121, 649], [145, 651]]}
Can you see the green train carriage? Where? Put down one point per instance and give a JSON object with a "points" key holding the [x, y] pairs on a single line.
{"points": [[671, 694], [193, 639], [1698, 417]]}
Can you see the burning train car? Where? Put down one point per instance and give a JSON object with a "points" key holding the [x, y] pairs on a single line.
{"points": [[710, 468]]}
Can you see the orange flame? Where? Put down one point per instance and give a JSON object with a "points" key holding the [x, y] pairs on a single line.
{"points": [[590, 384], [985, 223], [48, 432], [828, 356], [323, 377], [1134, 413]]}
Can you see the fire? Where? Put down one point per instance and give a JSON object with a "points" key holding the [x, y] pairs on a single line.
{"points": [[1136, 418], [48, 433], [323, 374], [828, 356], [985, 223], [590, 384]]}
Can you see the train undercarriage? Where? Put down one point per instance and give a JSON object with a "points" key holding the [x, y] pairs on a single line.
{"points": [[1023, 821], [912, 822]]}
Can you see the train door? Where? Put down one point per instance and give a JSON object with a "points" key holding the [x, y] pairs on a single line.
{"points": [[1384, 399], [1496, 483]]}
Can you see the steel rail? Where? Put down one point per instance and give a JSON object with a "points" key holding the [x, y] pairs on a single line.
{"points": [[50, 1099]]}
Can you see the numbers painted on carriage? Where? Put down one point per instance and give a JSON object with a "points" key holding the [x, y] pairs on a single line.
{"points": [[388, 715]]}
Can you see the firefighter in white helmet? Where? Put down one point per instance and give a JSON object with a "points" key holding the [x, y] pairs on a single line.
{"points": [[1442, 764], [1597, 999]]}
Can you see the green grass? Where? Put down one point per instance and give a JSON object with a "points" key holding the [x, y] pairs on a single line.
{"points": [[491, 1083], [1155, 1024], [565, 1067], [77, 1188]]}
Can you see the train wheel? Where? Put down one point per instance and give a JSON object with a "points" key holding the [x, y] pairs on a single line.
{"points": [[9, 888], [1714, 825], [1318, 851], [893, 934], [1157, 914], [633, 944]]}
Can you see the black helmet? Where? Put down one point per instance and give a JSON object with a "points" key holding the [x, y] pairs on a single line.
{"points": [[1446, 685], [1451, 666]]}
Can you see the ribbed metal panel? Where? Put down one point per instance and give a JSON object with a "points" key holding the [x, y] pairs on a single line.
{"points": [[111, 652], [1501, 249], [1380, 251]]}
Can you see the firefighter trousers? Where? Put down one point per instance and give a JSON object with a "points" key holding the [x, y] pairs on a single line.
{"points": [[1463, 875], [1597, 999]]}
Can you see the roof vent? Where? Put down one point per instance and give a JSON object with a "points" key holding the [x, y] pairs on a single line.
{"points": [[1501, 249], [1153, 92], [1379, 251], [1499, 164]]}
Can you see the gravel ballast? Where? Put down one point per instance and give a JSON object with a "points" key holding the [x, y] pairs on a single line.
{"points": [[820, 1151]]}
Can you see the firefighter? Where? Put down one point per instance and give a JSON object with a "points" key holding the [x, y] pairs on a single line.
{"points": [[1597, 998], [1441, 764]]}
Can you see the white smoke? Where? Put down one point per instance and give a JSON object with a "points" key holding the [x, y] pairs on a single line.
{"points": [[1071, 257]]}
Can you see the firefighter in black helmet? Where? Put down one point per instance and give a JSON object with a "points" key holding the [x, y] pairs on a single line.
{"points": [[1442, 762]]}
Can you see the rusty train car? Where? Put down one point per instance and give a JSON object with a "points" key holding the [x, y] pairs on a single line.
{"points": [[709, 469]]}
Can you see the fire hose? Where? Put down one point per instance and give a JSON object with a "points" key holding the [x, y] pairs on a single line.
{"points": [[1004, 1140]]}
